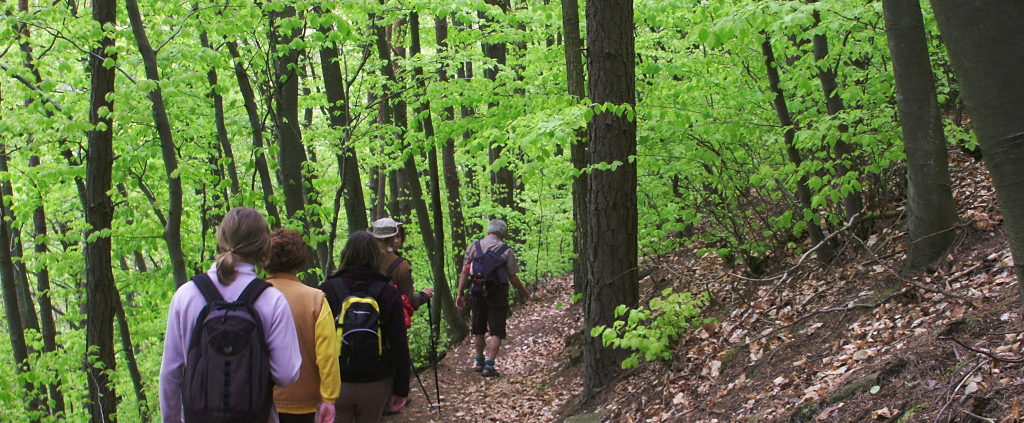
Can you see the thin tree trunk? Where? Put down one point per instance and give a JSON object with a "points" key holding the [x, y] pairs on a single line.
{"points": [[931, 211], [852, 203], [99, 213], [502, 180], [12, 302], [172, 231], [435, 241], [452, 185], [578, 150], [222, 130], [612, 253], [339, 119], [986, 48], [129, 353], [27, 307], [256, 125], [826, 252]]}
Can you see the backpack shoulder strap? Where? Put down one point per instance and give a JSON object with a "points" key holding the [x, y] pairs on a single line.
{"points": [[205, 285], [375, 288], [253, 291], [479, 251], [393, 265], [501, 249]]}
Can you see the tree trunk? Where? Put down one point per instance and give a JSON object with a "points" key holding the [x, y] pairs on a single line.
{"points": [[612, 253], [256, 125], [578, 150], [502, 180], [931, 211], [12, 302], [338, 117], [852, 203], [172, 231], [826, 252], [433, 237], [222, 130], [47, 325], [129, 354], [987, 51], [29, 320], [99, 212]]}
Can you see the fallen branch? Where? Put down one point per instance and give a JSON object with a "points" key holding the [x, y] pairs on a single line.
{"points": [[987, 353]]}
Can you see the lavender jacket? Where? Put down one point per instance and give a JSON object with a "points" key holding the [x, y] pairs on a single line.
{"points": [[185, 306]]}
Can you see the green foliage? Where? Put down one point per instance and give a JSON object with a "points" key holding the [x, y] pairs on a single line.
{"points": [[651, 332]]}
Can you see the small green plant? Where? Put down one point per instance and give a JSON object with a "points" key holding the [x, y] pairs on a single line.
{"points": [[651, 333]]}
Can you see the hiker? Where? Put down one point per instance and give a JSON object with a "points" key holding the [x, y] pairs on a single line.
{"points": [[390, 236], [488, 293], [377, 352], [319, 379], [192, 373]]}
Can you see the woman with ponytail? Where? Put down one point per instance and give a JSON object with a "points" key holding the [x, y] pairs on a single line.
{"points": [[243, 240]]}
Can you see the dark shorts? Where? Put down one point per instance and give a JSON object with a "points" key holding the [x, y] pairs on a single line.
{"points": [[490, 311]]}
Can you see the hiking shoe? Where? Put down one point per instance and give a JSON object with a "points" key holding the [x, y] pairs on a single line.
{"points": [[479, 367], [489, 371]]}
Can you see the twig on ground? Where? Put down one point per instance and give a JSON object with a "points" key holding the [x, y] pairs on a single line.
{"points": [[982, 418], [903, 279], [952, 392], [987, 353]]}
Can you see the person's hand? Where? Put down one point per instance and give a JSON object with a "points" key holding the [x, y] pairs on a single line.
{"points": [[460, 302], [326, 413], [396, 403], [429, 292], [523, 294]]}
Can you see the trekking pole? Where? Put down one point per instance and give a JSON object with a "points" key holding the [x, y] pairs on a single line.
{"points": [[423, 388], [433, 354]]}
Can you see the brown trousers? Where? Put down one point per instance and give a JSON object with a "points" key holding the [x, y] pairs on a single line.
{"points": [[362, 402]]}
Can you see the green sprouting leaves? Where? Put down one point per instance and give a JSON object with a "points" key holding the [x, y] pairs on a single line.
{"points": [[651, 332]]}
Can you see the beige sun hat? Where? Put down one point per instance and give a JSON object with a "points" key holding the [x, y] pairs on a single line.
{"points": [[384, 227]]}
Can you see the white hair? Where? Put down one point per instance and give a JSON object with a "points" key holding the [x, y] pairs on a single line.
{"points": [[497, 226]]}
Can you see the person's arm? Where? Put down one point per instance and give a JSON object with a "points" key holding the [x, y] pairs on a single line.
{"points": [[285, 357], [403, 279], [523, 293], [172, 366], [394, 325], [460, 301], [326, 345]]}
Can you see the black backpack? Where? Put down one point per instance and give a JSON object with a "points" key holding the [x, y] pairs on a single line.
{"points": [[358, 326], [487, 267], [227, 370]]}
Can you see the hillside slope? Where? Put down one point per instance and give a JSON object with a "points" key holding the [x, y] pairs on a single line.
{"points": [[852, 342]]}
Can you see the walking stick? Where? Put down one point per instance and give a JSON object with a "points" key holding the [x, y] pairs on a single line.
{"points": [[433, 355]]}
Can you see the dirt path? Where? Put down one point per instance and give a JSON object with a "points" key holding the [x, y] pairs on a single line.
{"points": [[532, 387]]}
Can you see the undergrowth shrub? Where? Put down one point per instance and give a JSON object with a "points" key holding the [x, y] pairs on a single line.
{"points": [[651, 332]]}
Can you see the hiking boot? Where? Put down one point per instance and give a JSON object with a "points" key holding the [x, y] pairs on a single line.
{"points": [[479, 367], [489, 371]]}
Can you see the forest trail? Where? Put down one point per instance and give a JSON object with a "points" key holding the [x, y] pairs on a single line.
{"points": [[535, 380], [851, 342]]}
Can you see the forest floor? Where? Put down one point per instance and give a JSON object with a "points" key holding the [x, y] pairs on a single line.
{"points": [[855, 341]]}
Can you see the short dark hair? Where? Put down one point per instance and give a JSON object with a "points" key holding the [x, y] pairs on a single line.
{"points": [[288, 252], [361, 249]]}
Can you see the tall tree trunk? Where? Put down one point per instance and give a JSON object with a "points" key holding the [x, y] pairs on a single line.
{"points": [[986, 48], [12, 302], [578, 150], [222, 130], [852, 203], [291, 154], [99, 212], [172, 231], [453, 187], [339, 119], [129, 354], [47, 325], [256, 125], [502, 180], [931, 211], [27, 307], [435, 241], [470, 195], [826, 252], [612, 252]]}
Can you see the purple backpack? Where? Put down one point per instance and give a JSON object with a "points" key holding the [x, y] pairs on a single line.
{"points": [[227, 370], [487, 267]]}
